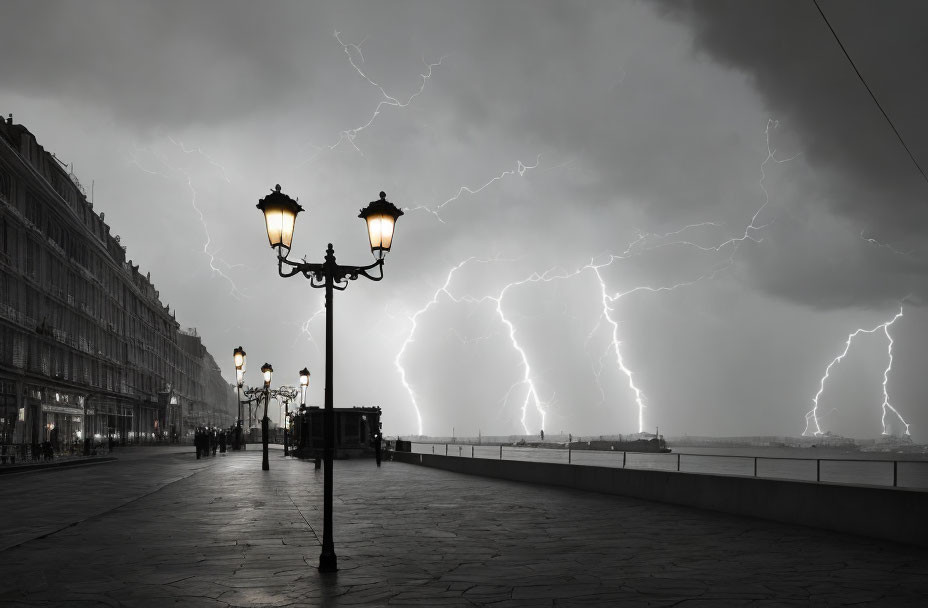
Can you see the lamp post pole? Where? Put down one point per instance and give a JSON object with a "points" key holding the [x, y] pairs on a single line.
{"points": [[238, 358], [304, 384], [265, 465], [280, 213], [238, 421], [327, 559], [286, 424], [267, 370]]}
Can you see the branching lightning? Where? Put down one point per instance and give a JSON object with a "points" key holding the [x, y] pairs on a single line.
{"points": [[209, 159], [348, 136], [306, 326], [812, 418], [217, 265], [531, 391], [889, 365], [520, 169], [531, 394], [643, 243], [608, 299], [414, 320]]}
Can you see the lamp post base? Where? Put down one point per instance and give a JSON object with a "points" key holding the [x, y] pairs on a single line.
{"points": [[265, 465], [328, 562]]}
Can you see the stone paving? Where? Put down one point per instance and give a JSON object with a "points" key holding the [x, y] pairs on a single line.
{"points": [[169, 530]]}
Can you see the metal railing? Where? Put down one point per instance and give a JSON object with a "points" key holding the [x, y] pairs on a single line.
{"points": [[911, 474]]}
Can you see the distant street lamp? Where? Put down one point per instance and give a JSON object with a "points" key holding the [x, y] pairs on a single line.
{"points": [[238, 358], [267, 370], [304, 384], [280, 213], [284, 395]]}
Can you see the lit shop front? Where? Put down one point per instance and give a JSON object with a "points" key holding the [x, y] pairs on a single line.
{"points": [[62, 424], [109, 418], [49, 414], [150, 422]]}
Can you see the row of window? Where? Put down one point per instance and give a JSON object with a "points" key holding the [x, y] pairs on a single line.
{"points": [[72, 247], [72, 286], [73, 310]]}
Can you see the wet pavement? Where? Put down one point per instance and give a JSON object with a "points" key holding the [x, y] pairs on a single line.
{"points": [[160, 528]]}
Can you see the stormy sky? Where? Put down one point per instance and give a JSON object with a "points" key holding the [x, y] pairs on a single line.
{"points": [[657, 213]]}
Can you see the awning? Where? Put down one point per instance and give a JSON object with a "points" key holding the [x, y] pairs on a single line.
{"points": [[62, 409]]}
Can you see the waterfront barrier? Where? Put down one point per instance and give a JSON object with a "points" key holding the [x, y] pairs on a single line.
{"points": [[888, 513], [896, 473]]}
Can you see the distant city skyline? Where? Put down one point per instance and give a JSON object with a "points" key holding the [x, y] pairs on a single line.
{"points": [[618, 215]]}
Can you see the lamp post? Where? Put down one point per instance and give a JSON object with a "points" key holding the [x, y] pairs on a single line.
{"points": [[284, 395], [267, 370], [304, 384], [238, 357], [280, 213], [257, 395]]}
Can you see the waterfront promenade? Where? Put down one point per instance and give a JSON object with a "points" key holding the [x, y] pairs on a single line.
{"points": [[158, 527]]}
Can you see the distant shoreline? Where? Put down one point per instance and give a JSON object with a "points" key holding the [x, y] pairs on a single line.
{"points": [[735, 447]]}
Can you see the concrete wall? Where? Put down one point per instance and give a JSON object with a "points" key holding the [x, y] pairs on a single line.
{"points": [[888, 513]]}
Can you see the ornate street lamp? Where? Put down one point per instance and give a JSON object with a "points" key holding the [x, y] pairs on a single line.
{"points": [[267, 370], [304, 384], [381, 218], [280, 213], [238, 358]]}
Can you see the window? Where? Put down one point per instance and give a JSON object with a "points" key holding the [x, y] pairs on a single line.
{"points": [[6, 186], [32, 259], [34, 211]]}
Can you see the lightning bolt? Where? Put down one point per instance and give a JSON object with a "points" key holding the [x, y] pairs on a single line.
{"points": [[889, 365], [531, 393], [348, 136], [640, 245], [410, 338], [306, 326], [876, 243], [435, 210], [207, 157], [532, 398], [643, 243], [216, 263], [812, 418]]}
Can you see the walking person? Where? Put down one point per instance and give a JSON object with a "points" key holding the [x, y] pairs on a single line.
{"points": [[53, 437]]}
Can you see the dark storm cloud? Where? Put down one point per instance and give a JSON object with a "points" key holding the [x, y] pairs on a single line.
{"points": [[157, 63], [863, 173]]}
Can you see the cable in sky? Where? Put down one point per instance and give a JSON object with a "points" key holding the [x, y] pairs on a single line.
{"points": [[872, 96]]}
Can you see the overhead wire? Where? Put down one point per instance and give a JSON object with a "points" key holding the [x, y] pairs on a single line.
{"points": [[869, 90]]}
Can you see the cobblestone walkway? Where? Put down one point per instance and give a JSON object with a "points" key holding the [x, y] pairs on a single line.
{"points": [[221, 532]]}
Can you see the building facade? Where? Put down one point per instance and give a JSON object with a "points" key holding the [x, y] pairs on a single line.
{"points": [[87, 349]]}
